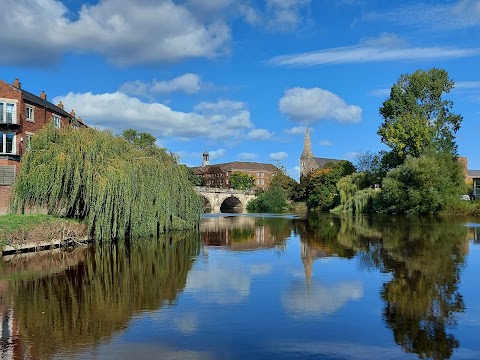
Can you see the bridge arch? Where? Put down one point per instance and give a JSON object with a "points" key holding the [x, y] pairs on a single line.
{"points": [[226, 200]]}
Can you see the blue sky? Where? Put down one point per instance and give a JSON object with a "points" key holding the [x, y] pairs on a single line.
{"points": [[242, 79]]}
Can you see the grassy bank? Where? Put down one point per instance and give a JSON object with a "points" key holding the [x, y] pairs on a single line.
{"points": [[15, 228]]}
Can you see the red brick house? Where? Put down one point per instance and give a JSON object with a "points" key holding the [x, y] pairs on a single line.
{"points": [[21, 115]]}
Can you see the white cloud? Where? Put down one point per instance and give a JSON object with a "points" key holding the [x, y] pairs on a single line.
{"points": [[297, 130], [282, 155], [246, 156], [216, 154], [187, 83], [259, 134], [434, 16], [285, 15], [220, 120], [387, 47], [126, 33], [325, 143], [315, 104]]}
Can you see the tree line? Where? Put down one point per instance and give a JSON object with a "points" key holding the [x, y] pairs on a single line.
{"points": [[419, 174]]}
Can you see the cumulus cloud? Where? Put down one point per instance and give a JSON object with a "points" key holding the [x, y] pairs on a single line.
{"points": [[278, 156], [124, 31], [246, 156], [216, 154], [312, 105], [216, 120], [386, 47], [259, 134]]}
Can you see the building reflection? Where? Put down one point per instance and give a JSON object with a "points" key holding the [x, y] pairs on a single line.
{"points": [[240, 233]]}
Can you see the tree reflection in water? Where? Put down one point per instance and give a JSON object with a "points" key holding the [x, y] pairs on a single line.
{"points": [[425, 258], [88, 302]]}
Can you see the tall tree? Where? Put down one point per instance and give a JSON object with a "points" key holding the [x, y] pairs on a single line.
{"points": [[416, 117], [140, 139], [242, 181]]}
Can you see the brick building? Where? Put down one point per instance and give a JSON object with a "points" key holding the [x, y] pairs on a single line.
{"points": [[218, 175], [22, 114]]}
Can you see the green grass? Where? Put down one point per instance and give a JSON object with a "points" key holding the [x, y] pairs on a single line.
{"points": [[13, 223]]}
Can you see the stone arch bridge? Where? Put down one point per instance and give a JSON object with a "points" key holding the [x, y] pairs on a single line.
{"points": [[225, 200]]}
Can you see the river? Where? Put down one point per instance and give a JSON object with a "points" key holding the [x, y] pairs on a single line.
{"points": [[253, 287]]}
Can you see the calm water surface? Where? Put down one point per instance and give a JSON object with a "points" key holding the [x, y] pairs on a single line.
{"points": [[253, 287]]}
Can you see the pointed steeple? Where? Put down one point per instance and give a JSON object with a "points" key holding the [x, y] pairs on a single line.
{"points": [[307, 146], [307, 159]]}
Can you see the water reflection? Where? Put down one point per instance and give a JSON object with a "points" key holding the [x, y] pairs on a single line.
{"points": [[73, 304], [424, 257], [87, 303]]}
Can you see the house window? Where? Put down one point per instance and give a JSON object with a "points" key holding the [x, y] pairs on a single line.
{"points": [[56, 121], [8, 112], [7, 143], [261, 174], [29, 112], [262, 182], [28, 141]]}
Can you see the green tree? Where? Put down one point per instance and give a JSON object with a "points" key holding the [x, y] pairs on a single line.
{"points": [[242, 181], [282, 180], [139, 139], [321, 187], [416, 117], [423, 185], [119, 190], [273, 200]]}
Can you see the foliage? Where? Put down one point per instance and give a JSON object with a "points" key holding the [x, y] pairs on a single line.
{"points": [[140, 139], [118, 189], [194, 179], [282, 180], [416, 117], [355, 194], [241, 181], [273, 200], [321, 190], [422, 185]]}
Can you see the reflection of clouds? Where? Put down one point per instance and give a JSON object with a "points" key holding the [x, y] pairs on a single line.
{"points": [[224, 284], [342, 350], [319, 299], [187, 323]]}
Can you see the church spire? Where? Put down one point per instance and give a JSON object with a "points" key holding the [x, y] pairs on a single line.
{"points": [[307, 146]]}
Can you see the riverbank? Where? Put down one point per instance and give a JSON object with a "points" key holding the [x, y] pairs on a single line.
{"points": [[37, 231]]}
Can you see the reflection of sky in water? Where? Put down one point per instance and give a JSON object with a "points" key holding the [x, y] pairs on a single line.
{"points": [[319, 299], [259, 305]]}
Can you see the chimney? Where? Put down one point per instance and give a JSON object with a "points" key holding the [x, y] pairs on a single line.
{"points": [[43, 95], [60, 105], [72, 113], [17, 83]]}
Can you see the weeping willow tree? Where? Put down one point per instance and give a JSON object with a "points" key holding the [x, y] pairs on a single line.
{"points": [[118, 189]]}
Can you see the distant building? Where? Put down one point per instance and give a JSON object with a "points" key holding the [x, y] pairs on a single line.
{"points": [[218, 175], [308, 162], [22, 114]]}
